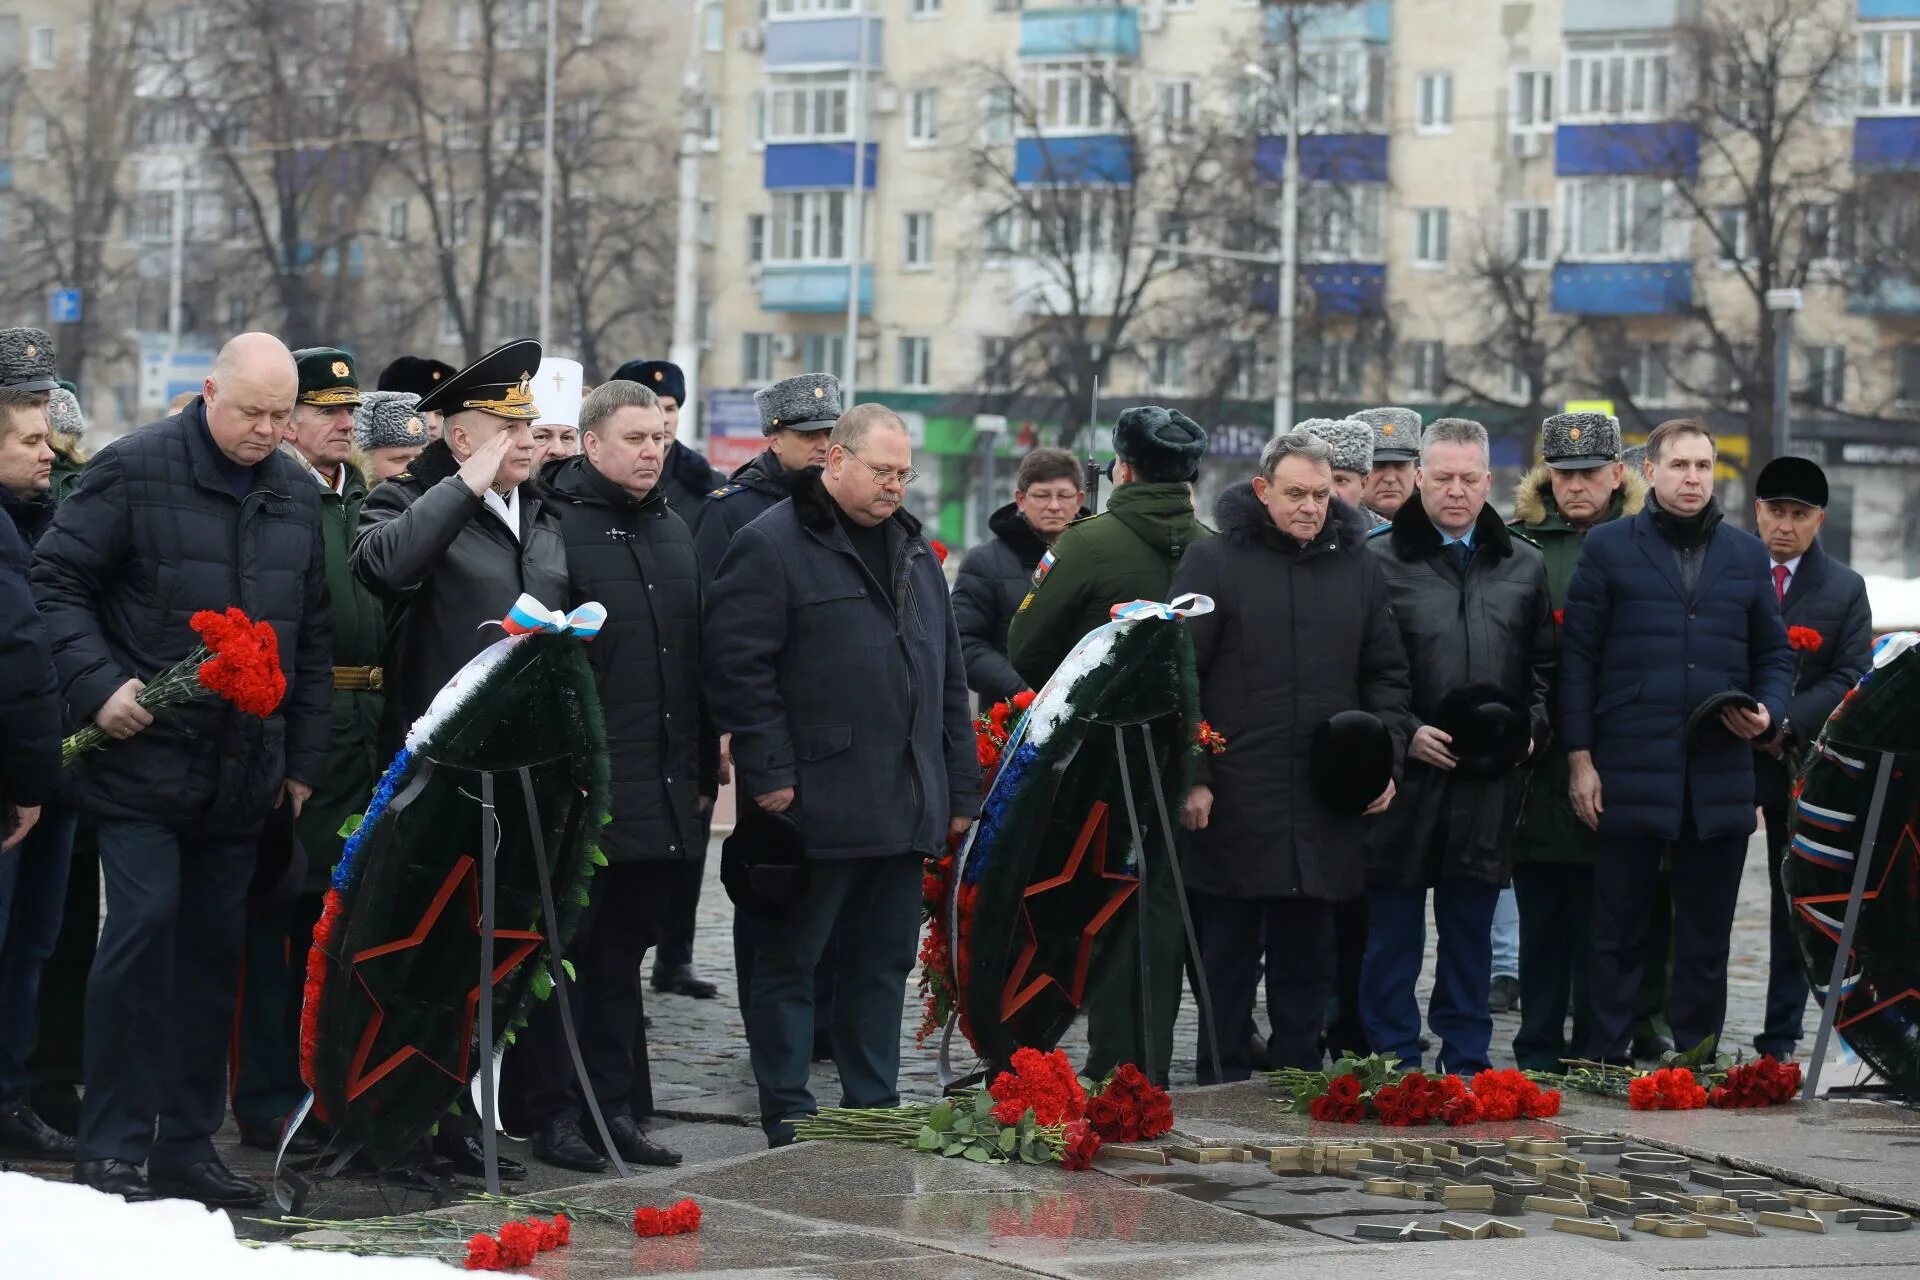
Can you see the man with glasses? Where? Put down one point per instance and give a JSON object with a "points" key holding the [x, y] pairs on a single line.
{"points": [[833, 659], [995, 577]]}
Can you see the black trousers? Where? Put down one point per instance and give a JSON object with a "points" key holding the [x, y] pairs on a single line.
{"points": [[266, 1068], [1704, 880], [1347, 1032], [57, 1060], [161, 995], [1298, 952], [1556, 940], [630, 901], [1787, 987], [675, 950]]}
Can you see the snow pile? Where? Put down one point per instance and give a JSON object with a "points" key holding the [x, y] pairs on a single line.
{"points": [[1896, 603]]}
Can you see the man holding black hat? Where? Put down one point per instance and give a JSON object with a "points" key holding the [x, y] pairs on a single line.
{"points": [[1471, 602], [1672, 660], [1830, 629], [1300, 633], [420, 376], [1580, 483], [1396, 448], [1129, 552]]}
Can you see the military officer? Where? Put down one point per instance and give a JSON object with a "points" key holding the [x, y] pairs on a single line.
{"points": [[1352, 441], [1396, 448], [389, 433]]}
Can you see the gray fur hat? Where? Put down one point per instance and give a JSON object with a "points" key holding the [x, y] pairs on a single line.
{"points": [[1396, 434], [1352, 441], [389, 420], [810, 402], [26, 361], [1580, 441], [1634, 456], [64, 418]]}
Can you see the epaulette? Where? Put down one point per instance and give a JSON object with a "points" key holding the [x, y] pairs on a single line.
{"points": [[1527, 538], [1377, 530], [726, 489]]}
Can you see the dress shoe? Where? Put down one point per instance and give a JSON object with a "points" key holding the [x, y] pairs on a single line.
{"points": [[469, 1158], [636, 1147], [560, 1143], [1504, 994], [209, 1182], [114, 1177], [1651, 1047], [24, 1133], [266, 1137], [681, 980]]}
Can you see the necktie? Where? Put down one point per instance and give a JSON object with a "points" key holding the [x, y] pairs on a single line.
{"points": [[1780, 582], [1461, 554]]}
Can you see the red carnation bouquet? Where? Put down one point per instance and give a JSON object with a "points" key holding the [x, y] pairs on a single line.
{"points": [[237, 659], [1686, 1081], [1375, 1088]]}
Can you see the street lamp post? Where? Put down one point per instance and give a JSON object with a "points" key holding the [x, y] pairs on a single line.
{"points": [[1783, 303], [1289, 265], [546, 180], [856, 228], [685, 347]]}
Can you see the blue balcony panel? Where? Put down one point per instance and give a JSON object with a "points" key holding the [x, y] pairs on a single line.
{"points": [[1886, 144], [1109, 32], [1331, 289], [1326, 157], [1095, 160], [1881, 10], [1628, 15], [817, 166], [1664, 148], [1622, 288], [1874, 294], [1371, 20], [808, 289], [822, 42]]}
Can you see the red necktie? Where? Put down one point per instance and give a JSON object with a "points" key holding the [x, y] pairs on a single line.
{"points": [[1780, 582]]}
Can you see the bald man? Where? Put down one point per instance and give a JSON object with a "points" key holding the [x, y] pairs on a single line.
{"points": [[196, 511]]}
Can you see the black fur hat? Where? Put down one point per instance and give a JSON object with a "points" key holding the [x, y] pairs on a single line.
{"points": [[1159, 444], [1351, 762], [1489, 733]]}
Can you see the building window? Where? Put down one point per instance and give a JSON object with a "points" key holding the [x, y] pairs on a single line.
{"points": [[1731, 241], [1081, 96], [809, 226], [1643, 371], [1730, 374], [1330, 369], [713, 26], [709, 125], [1426, 368], [463, 20], [1519, 384], [516, 315], [1174, 108], [807, 107], [917, 242], [400, 20], [916, 363], [449, 324], [1620, 218], [1627, 81], [39, 135], [40, 48], [1826, 374], [1429, 238], [1000, 234], [150, 217], [1341, 223], [1907, 373], [923, 9], [996, 364], [1073, 220], [1435, 102], [1828, 233], [1169, 367], [923, 117], [756, 357], [756, 237], [1175, 231], [589, 18], [825, 351], [520, 24], [1527, 234], [792, 8], [236, 314], [519, 218], [1343, 86], [1889, 71], [397, 222], [458, 216], [706, 222], [999, 112], [1530, 109]]}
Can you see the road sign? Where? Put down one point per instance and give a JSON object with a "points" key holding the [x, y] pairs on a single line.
{"points": [[732, 413], [164, 375], [63, 306], [1588, 406]]}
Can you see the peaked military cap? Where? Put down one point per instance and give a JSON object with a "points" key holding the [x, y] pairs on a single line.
{"points": [[1396, 434], [499, 382], [1790, 479], [662, 377], [1580, 441], [1352, 442], [418, 374], [327, 377], [26, 361], [810, 402], [389, 420]]}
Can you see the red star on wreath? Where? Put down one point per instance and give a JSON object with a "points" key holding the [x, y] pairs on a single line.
{"points": [[1909, 843], [1019, 989], [522, 943]]}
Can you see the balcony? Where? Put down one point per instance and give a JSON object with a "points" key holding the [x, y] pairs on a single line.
{"points": [[1886, 144], [1331, 289], [822, 44], [1622, 288], [816, 166], [1088, 160], [812, 287], [1370, 21], [1870, 293], [1326, 157], [1883, 10], [1601, 150], [1112, 31], [1590, 17]]}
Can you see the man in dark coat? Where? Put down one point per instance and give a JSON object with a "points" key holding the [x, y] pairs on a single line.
{"points": [[36, 833], [833, 660], [450, 545], [686, 480], [996, 576], [1830, 629], [1471, 602], [1300, 631], [629, 550], [1668, 612], [1128, 552], [1580, 483], [197, 512]]}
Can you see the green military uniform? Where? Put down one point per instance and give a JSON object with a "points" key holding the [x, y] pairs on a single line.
{"points": [[1126, 553]]}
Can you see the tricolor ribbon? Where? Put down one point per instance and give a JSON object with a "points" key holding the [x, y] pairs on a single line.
{"points": [[529, 615], [1190, 605]]}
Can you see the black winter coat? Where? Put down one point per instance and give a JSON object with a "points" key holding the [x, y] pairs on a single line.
{"points": [[444, 565], [1827, 596], [29, 692], [636, 558], [1297, 634], [994, 578], [828, 685], [1493, 627], [152, 535], [687, 480], [757, 487]]}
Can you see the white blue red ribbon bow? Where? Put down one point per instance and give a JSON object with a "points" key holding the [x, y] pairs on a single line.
{"points": [[1191, 605], [529, 615]]}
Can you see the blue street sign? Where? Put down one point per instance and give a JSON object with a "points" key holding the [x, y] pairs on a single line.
{"points": [[63, 306], [732, 413]]}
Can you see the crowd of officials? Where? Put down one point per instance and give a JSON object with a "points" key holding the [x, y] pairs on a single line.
{"points": [[1587, 703]]}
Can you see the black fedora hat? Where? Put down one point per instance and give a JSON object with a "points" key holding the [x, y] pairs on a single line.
{"points": [[1705, 732], [763, 864], [1489, 733], [1351, 762]]}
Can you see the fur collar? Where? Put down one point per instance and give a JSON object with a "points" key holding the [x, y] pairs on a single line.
{"points": [[1243, 519], [1008, 525], [1533, 499], [1415, 537], [815, 506]]}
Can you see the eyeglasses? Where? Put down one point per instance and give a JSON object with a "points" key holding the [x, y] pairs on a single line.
{"points": [[883, 475]]}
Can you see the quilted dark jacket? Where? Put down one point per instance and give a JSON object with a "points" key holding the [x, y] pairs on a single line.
{"points": [[152, 535], [994, 578], [29, 694]]}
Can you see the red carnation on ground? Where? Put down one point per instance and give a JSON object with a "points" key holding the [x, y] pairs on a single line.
{"points": [[1764, 1082], [519, 1243], [679, 1220], [1670, 1089], [1043, 1082], [483, 1254]]}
